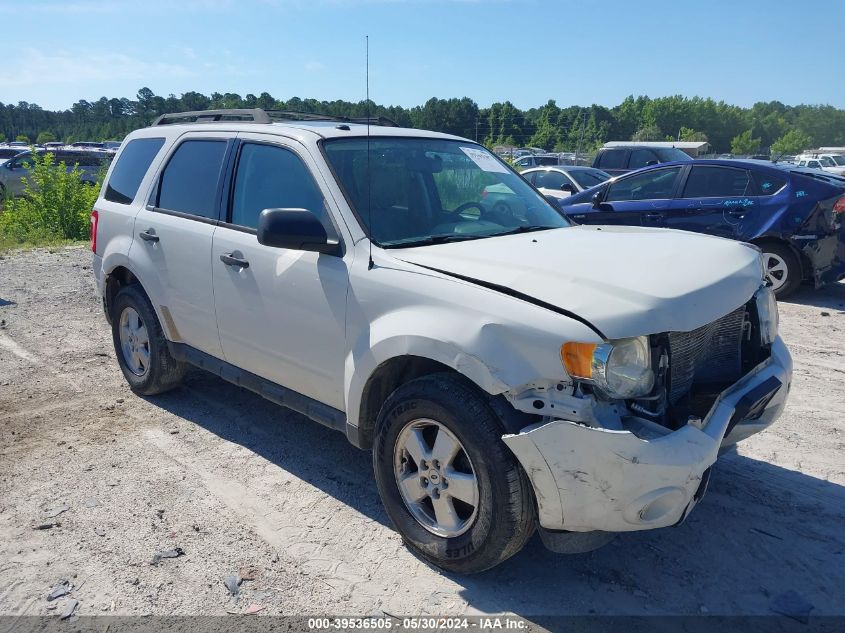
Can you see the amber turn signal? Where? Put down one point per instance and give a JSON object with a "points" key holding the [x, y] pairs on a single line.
{"points": [[577, 359]]}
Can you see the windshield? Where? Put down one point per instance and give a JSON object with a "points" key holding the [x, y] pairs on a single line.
{"points": [[424, 191], [668, 154], [587, 178], [826, 162], [839, 160]]}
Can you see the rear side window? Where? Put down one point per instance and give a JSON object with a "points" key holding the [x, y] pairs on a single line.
{"points": [[612, 159], [718, 182], [189, 182], [270, 178], [130, 169], [767, 184]]}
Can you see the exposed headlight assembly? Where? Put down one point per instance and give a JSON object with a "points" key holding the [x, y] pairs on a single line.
{"points": [[621, 369], [767, 313]]}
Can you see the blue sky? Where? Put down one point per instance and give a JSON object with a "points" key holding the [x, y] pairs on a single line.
{"points": [[525, 51]]}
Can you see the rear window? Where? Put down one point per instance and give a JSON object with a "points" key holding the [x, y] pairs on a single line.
{"points": [[668, 154], [189, 182], [587, 178], [130, 169]]}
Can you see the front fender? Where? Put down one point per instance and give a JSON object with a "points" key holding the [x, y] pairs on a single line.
{"points": [[366, 357]]}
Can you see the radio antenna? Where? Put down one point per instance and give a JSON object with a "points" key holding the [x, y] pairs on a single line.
{"points": [[369, 185]]}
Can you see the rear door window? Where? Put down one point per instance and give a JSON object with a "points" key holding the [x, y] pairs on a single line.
{"points": [[189, 183], [131, 168], [718, 182]]}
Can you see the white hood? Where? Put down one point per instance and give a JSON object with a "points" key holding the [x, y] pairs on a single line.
{"points": [[626, 281]]}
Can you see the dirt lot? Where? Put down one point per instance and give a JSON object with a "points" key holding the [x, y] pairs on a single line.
{"points": [[237, 483]]}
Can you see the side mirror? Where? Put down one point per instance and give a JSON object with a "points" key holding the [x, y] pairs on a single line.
{"points": [[568, 186], [298, 229], [598, 196]]}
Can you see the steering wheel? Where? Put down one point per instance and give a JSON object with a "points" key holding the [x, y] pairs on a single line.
{"points": [[468, 205]]}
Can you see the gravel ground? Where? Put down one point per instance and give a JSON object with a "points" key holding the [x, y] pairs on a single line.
{"points": [[243, 486]]}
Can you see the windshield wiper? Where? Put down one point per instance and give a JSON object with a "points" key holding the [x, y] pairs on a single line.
{"points": [[436, 239], [525, 229], [454, 237]]}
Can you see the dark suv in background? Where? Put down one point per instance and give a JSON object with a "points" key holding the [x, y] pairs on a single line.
{"points": [[622, 159]]}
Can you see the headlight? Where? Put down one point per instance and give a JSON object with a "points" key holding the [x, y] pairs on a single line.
{"points": [[767, 313], [621, 369]]}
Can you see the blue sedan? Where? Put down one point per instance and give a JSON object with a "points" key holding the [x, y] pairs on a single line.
{"points": [[794, 215]]}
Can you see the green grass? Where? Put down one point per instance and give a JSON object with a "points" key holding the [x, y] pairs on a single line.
{"points": [[9, 245]]}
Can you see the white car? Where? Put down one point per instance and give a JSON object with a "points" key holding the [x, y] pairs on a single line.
{"points": [[564, 180], [509, 371], [824, 162]]}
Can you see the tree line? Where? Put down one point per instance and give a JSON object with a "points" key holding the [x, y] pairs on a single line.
{"points": [[771, 126]]}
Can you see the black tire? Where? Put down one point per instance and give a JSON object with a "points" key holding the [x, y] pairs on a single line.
{"points": [[163, 372], [787, 281], [505, 516]]}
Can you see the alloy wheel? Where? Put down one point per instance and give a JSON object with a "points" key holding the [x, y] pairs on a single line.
{"points": [[777, 271], [435, 477], [134, 342]]}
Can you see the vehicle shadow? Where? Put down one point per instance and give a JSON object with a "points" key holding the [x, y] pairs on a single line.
{"points": [[761, 529], [6, 302], [831, 297]]}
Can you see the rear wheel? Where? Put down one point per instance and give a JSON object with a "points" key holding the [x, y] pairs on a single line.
{"points": [[783, 269], [452, 488], [140, 345]]}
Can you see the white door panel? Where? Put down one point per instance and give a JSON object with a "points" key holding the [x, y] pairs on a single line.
{"points": [[177, 271], [283, 317]]}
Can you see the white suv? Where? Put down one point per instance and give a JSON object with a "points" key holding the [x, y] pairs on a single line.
{"points": [[509, 370]]}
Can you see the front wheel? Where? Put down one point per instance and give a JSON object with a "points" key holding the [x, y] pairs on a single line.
{"points": [[451, 487]]}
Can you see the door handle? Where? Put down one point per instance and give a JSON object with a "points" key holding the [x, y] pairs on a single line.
{"points": [[653, 217], [737, 213], [149, 236], [230, 260]]}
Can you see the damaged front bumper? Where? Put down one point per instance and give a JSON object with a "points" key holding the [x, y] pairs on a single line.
{"points": [[587, 479]]}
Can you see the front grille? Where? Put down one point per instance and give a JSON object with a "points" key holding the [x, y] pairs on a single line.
{"points": [[711, 354]]}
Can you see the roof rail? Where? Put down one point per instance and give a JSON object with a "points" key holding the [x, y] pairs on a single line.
{"points": [[245, 115], [258, 115]]}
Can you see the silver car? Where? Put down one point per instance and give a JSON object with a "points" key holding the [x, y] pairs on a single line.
{"points": [[562, 181]]}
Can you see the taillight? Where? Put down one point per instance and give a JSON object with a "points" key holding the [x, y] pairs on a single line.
{"points": [[839, 207], [95, 220]]}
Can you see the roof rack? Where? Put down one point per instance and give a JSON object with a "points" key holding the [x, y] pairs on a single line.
{"points": [[258, 115]]}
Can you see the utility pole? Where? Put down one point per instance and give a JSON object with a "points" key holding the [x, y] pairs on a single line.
{"points": [[581, 138], [476, 129]]}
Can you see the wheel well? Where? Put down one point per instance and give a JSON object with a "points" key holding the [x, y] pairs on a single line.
{"points": [[117, 279], [386, 379], [803, 261]]}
